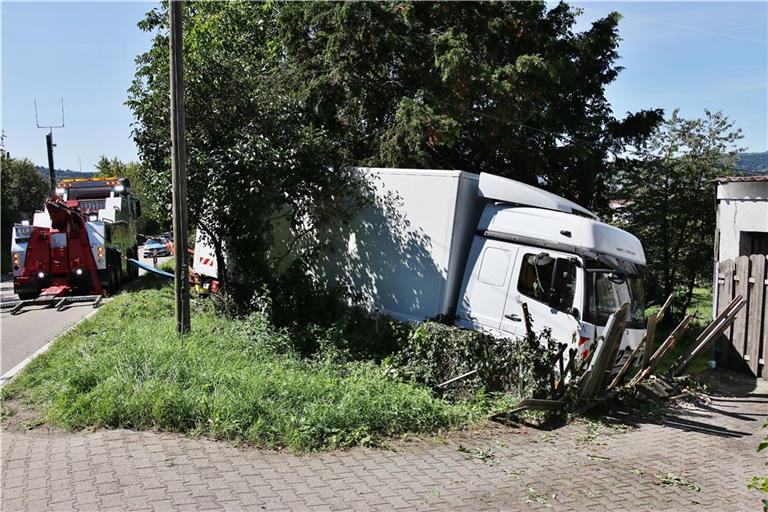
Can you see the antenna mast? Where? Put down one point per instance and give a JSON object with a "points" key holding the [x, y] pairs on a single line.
{"points": [[49, 143]]}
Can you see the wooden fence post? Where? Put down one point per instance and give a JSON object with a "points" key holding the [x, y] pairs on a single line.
{"points": [[754, 338], [725, 271]]}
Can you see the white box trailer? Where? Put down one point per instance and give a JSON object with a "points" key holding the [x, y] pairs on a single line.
{"points": [[405, 254]]}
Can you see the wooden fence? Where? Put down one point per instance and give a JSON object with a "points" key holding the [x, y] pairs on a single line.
{"points": [[748, 336]]}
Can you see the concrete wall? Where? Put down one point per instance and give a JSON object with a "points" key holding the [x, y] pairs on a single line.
{"points": [[741, 207]]}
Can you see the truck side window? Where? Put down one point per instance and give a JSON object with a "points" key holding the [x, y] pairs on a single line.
{"points": [[553, 283], [534, 280], [493, 269]]}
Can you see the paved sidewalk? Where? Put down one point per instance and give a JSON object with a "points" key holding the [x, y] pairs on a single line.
{"points": [[578, 467]]}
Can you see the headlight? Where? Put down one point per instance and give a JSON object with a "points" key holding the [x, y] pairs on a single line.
{"points": [[93, 217], [16, 258], [119, 188], [100, 251], [41, 275], [61, 191], [79, 271]]}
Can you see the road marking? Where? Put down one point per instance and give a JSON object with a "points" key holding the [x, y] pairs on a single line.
{"points": [[10, 374]]}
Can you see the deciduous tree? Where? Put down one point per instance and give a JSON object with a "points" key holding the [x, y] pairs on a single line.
{"points": [[23, 191], [667, 200]]}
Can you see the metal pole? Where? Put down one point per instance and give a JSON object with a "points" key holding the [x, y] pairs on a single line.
{"points": [[51, 170], [179, 169]]}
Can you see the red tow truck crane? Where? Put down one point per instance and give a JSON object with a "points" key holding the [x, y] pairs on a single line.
{"points": [[59, 263], [78, 248]]}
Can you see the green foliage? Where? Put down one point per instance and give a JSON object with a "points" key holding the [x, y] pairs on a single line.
{"points": [[435, 353], [23, 191], [153, 219], [668, 196], [502, 87], [228, 379]]}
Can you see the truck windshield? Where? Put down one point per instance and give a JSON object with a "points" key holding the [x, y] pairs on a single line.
{"points": [[605, 296], [89, 193]]}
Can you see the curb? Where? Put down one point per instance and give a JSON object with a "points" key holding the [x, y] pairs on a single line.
{"points": [[10, 374]]}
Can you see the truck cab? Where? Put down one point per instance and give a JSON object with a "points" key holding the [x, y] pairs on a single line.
{"points": [[571, 270], [111, 212]]}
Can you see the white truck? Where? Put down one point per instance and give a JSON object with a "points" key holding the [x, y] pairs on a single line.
{"points": [[472, 248]]}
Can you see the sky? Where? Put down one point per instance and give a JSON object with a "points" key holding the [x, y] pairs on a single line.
{"points": [[689, 55]]}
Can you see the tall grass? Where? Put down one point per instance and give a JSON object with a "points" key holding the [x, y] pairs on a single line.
{"points": [[230, 379]]}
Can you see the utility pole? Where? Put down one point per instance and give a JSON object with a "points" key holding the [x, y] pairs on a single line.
{"points": [[50, 145], [179, 164], [51, 169]]}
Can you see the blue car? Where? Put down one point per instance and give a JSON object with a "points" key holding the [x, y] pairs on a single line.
{"points": [[155, 246]]}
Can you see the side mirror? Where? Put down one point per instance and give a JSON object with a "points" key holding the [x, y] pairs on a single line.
{"points": [[563, 285], [575, 313]]}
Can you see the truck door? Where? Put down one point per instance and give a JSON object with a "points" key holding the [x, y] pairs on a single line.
{"points": [[486, 283], [550, 283]]}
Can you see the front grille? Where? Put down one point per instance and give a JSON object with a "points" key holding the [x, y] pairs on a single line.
{"points": [[92, 205]]}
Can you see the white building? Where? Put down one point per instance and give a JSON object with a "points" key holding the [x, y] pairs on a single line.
{"points": [[742, 216]]}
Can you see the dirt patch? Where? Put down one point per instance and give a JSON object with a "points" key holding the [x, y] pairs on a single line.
{"points": [[18, 416]]}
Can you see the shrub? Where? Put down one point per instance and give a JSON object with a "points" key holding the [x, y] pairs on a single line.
{"points": [[435, 353]]}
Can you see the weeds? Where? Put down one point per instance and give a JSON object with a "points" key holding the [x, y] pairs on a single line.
{"points": [[592, 434], [548, 437], [677, 481], [486, 455], [534, 496]]}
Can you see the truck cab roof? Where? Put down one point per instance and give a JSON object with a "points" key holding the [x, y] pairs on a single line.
{"points": [[515, 192], [558, 230]]}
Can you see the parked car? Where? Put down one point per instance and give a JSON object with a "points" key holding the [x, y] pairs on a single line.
{"points": [[155, 246]]}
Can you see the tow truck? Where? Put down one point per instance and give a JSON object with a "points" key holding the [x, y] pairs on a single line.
{"points": [[77, 248]]}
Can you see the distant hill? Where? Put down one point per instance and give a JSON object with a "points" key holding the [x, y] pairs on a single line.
{"points": [[65, 173], [753, 163]]}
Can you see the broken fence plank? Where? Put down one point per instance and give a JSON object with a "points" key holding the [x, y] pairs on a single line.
{"points": [[664, 307], [627, 364], [605, 354], [462, 376], [665, 347], [650, 334], [716, 323], [703, 341]]}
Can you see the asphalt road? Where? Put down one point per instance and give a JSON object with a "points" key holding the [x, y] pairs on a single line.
{"points": [[23, 334]]}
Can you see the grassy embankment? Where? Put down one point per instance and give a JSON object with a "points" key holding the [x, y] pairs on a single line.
{"points": [[229, 379]]}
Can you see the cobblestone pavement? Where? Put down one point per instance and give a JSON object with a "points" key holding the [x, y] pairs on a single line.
{"points": [[695, 459]]}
